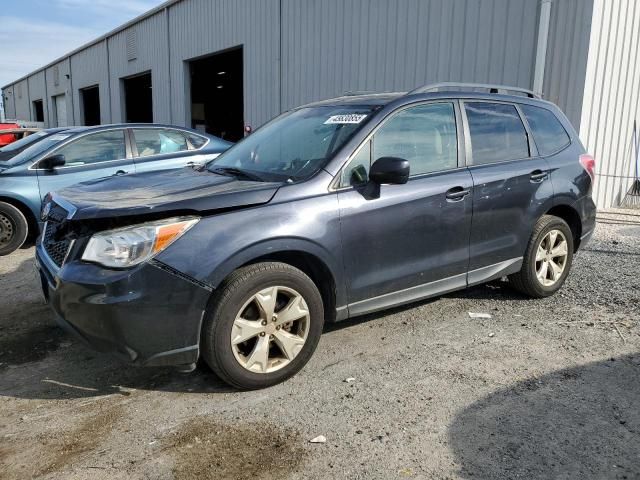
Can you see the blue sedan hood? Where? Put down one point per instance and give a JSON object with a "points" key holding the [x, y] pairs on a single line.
{"points": [[185, 190]]}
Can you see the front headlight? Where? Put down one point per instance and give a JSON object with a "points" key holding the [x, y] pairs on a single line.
{"points": [[129, 246]]}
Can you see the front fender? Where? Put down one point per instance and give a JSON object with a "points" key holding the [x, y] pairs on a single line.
{"points": [[220, 244]]}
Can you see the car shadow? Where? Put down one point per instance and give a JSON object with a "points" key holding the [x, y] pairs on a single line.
{"points": [[582, 422]]}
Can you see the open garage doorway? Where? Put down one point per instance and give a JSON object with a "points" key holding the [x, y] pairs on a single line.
{"points": [[138, 98], [217, 97], [90, 98], [38, 111]]}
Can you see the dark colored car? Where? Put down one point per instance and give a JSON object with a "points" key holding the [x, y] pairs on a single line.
{"points": [[86, 153], [332, 210], [13, 149]]}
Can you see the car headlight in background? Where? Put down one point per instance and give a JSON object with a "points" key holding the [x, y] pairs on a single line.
{"points": [[129, 246]]}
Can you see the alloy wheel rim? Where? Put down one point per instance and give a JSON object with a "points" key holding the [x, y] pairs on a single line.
{"points": [[551, 258], [6, 230], [270, 329]]}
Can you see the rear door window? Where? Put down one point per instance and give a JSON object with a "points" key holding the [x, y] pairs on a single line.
{"points": [[548, 133], [497, 132], [151, 141]]}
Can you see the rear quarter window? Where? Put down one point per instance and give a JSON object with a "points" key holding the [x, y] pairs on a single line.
{"points": [[548, 133]]}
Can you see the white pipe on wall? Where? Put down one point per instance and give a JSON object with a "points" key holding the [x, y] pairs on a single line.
{"points": [[541, 47]]}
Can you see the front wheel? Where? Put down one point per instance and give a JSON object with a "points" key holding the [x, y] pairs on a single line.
{"points": [[13, 228], [264, 325], [547, 260]]}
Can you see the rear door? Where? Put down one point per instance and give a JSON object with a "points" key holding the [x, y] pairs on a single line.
{"points": [[88, 157], [404, 242], [511, 187], [163, 149]]}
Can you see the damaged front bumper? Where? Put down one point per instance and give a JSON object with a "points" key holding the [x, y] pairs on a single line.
{"points": [[150, 315]]}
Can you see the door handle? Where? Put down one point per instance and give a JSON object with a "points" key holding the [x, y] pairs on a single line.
{"points": [[456, 194], [538, 175], [120, 172]]}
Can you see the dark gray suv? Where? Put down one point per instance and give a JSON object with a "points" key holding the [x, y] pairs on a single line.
{"points": [[332, 210]]}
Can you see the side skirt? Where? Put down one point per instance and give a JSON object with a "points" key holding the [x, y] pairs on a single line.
{"points": [[431, 289]]}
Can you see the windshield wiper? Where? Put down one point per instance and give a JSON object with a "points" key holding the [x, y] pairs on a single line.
{"points": [[236, 172]]}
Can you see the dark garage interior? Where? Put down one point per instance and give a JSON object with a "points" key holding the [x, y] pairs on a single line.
{"points": [[217, 97], [138, 98], [91, 105], [38, 111]]}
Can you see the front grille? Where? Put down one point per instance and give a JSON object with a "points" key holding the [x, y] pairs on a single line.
{"points": [[55, 246]]}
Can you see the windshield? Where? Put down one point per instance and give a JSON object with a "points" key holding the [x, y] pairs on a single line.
{"points": [[34, 150], [295, 145], [23, 142]]}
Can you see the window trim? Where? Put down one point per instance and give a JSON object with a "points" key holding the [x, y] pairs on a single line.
{"points": [[533, 138], [128, 153], [533, 150], [334, 186]]}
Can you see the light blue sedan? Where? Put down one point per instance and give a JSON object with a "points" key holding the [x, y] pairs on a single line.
{"points": [[87, 153]]}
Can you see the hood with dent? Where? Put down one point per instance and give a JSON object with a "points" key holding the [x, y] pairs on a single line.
{"points": [[166, 191]]}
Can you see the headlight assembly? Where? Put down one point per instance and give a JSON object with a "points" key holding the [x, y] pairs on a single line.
{"points": [[129, 246]]}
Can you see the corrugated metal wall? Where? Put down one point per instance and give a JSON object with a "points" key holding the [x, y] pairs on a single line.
{"points": [[567, 50], [332, 46], [59, 82], [37, 91], [611, 97], [21, 95], [202, 27], [152, 54], [89, 67], [296, 51], [9, 102]]}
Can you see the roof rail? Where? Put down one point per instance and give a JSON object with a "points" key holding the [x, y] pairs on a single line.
{"points": [[434, 87]]}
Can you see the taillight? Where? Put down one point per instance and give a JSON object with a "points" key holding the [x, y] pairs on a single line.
{"points": [[589, 164]]}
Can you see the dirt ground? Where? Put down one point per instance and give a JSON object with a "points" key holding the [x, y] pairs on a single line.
{"points": [[544, 389]]}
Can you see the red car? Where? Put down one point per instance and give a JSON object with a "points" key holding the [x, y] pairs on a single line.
{"points": [[6, 139]]}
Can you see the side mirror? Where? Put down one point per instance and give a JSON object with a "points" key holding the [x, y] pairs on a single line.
{"points": [[50, 163], [390, 170]]}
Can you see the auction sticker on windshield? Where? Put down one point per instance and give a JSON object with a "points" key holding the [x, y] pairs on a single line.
{"points": [[347, 118]]}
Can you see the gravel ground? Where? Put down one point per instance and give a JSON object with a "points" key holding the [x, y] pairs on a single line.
{"points": [[544, 389]]}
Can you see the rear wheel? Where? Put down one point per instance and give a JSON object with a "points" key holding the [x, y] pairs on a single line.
{"points": [[264, 325], [547, 260], [13, 228]]}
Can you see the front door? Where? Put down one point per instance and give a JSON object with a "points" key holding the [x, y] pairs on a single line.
{"points": [[90, 157], [405, 242]]}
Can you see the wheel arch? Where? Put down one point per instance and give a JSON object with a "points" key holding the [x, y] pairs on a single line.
{"points": [[32, 221], [314, 268], [306, 256], [572, 217]]}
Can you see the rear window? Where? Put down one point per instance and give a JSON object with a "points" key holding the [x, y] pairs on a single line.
{"points": [[548, 133], [497, 132]]}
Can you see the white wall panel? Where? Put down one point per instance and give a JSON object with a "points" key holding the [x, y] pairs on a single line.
{"points": [[611, 97]]}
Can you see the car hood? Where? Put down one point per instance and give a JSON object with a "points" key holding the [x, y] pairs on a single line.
{"points": [[184, 190]]}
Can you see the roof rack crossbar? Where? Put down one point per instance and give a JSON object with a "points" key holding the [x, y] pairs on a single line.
{"points": [[434, 87]]}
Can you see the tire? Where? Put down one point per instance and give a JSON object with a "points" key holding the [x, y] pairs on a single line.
{"points": [[243, 295], [13, 228], [528, 280]]}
